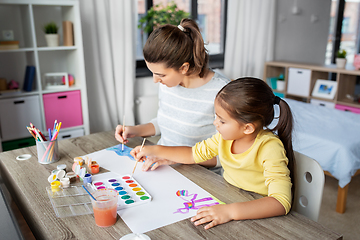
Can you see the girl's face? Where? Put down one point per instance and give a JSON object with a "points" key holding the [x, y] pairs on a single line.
{"points": [[229, 128], [167, 76]]}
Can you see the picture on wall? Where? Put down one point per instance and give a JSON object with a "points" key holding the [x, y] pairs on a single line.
{"points": [[324, 89]]}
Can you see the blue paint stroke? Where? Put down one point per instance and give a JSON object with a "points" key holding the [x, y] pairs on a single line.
{"points": [[118, 150]]}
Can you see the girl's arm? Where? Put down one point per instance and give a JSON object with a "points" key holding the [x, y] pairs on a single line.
{"points": [[261, 208], [175, 154]]}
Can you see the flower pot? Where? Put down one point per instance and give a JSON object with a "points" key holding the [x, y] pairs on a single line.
{"points": [[280, 85], [340, 62], [52, 40]]}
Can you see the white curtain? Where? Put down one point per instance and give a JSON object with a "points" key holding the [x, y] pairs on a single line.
{"points": [[249, 37], [109, 28]]}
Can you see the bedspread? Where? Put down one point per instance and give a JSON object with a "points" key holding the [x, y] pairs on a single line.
{"points": [[330, 136]]}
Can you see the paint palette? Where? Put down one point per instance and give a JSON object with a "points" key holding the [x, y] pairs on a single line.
{"points": [[131, 193]]}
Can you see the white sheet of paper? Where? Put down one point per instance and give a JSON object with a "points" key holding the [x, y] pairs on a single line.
{"points": [[162, 184]]}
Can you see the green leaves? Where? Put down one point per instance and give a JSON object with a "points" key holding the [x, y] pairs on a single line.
{"points": [[51, 28], [341, 54], [159, 15]]}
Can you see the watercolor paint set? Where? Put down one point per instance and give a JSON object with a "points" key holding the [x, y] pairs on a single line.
{"points": [[131, 193]]}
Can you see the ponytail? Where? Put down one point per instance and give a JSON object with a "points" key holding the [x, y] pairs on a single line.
{"points": [[284, 129], [200, 54]]}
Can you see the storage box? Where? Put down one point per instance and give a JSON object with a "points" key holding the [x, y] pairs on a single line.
{"points": [[299, 82], [347, 108], [67, 134], [20, 143], [322, 103], [64, 107], [16, 114]]}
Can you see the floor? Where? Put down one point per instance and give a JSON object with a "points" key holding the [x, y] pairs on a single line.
{"points": [[346, 224]]}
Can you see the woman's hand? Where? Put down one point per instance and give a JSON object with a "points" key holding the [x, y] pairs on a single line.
{"points": [[217, 214], [154, 162], [123, 133]]}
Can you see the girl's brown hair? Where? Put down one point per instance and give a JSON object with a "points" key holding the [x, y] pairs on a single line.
{"points": [[169, 45], [251, 100]]}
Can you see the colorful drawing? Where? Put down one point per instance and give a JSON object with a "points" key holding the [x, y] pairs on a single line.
{"points": [[118, 150], [191, 201]]}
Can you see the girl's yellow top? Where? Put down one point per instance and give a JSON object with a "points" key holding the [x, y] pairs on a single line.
{"points": [[261, 169]]}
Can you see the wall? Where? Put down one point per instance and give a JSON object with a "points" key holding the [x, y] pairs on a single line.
{"points": [[297, 38]]}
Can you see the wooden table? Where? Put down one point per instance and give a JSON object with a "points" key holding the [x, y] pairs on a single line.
{"points": [[27, 182]]}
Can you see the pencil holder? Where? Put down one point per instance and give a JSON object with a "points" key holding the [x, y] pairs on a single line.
{"points": [[48, 151]]}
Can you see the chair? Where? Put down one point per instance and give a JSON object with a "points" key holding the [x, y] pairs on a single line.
{"points": [[309, 185]]}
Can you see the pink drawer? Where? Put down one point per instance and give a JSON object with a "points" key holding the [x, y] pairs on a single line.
{"points": [[64, 107], [347, 108]]}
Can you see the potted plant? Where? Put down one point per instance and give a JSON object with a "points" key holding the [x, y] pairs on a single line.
{"points": [[159, 15], [341, 58], [51, 34]]}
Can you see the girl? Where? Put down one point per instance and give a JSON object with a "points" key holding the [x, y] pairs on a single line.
{"points": [[179, 61], [252, 156]]}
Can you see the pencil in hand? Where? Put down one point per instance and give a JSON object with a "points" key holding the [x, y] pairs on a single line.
{"points": [[142, 145]]}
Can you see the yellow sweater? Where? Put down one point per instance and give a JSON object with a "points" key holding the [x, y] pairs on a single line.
{"points": [[261, 169]]}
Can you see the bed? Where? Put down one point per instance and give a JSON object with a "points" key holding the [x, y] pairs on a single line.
{"points": [[331, 137]]}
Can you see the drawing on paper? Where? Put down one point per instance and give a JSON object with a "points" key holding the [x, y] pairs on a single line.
{"points": [[192, 203], [118, 150]]}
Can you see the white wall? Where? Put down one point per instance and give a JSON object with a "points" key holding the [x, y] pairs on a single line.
{"points": [[298, 39]]}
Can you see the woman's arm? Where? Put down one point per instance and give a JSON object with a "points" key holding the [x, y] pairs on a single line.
{"points": [[123, 133], [175, 154], [256, 209]]}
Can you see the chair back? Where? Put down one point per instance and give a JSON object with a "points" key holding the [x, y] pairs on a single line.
{"points": [[309, 186]]}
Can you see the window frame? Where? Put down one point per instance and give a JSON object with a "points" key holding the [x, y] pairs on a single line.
{"points": [[215, 60]]}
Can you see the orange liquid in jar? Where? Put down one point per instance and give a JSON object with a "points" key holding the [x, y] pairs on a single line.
{"points": [[105, 217]]}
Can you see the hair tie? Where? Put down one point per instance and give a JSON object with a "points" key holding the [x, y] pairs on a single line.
{"points": [[277, 100], [181, 28]]}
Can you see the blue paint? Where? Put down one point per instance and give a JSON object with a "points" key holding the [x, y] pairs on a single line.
{"points": [[118, 150]]}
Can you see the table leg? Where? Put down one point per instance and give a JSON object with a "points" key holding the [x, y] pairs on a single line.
{"points": [[341, 199]]}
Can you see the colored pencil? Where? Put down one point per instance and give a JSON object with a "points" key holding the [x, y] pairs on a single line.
{"points": [[142, 145], [55, 122], [31, 132], [49, 130]]}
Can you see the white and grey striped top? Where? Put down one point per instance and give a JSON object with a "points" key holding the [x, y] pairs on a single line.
{"points": [[185, 115]]}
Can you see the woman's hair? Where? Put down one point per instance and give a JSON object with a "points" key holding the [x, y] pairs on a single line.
{"points": [[251, 100], [172, 46]]}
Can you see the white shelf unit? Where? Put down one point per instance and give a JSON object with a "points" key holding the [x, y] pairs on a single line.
{"points": [[26, 19], [345, 78]]}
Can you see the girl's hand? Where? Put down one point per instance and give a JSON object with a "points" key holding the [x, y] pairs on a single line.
{"points": [[217, 214], [140, 153], [154, 162], [122, 133]]}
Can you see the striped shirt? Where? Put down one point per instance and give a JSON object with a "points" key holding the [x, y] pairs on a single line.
{"points": [[185, 115]]}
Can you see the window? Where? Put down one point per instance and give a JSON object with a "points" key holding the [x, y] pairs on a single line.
{"points": [[346, 26], [211, 18]]}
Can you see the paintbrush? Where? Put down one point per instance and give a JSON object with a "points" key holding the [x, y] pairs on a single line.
{"points": [[122, 148], [142, 145]]}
